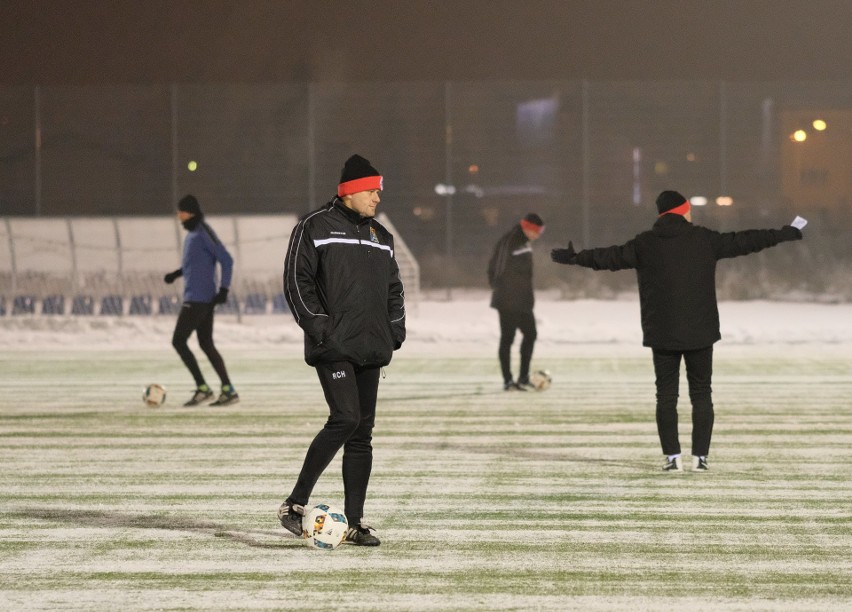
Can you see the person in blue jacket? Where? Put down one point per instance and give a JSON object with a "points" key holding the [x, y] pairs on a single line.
{"points": [[202, 250]]}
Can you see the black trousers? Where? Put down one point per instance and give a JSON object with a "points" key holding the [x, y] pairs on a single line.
{"points": [[351, 395], [699, 371], [198, 317], [509, 323]]}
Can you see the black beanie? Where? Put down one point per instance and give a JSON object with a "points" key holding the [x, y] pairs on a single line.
{"points": [[533, 219], [189, 204], [668, 200], [358, 175]]}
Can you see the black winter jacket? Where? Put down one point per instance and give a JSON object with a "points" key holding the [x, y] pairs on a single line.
{"points": [[510, 273], [675, 265], [342, 284]]}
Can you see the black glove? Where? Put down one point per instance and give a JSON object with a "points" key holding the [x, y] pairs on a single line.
{"points": [[173, 276], [791, 233], [221, 297], [564, 256]]}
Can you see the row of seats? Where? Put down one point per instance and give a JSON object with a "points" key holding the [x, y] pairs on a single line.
{"points": [[143, 304]]}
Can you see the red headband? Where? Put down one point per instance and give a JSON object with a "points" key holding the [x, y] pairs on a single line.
{"points": [[368, 183], [532, 227], [677, 210]]}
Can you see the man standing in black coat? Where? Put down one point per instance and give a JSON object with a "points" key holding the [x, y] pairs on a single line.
{"points": [[675, 263], [343, 287], [510, 272]]}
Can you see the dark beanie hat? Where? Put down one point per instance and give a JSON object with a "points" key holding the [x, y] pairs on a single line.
{"points": [[358, 175], [532, 221], [189, 204], [668, 201]]}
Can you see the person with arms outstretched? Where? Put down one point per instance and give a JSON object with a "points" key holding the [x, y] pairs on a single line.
{"points": [[675, 263]]}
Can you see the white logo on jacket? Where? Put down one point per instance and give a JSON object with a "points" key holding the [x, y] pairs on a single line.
{"points": [[338, 375]]}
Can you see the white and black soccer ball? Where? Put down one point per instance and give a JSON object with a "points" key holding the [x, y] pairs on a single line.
{"points": [[154, 395], [540, 380], [324, 527]]}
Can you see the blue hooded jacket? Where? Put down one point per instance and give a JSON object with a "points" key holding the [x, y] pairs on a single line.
{"points": [[201, 250]]}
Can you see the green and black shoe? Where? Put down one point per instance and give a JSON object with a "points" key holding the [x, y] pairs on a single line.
{"points": [[227, 397], [202, 394]]}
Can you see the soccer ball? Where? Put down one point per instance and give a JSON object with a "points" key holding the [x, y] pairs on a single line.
{"points": [[324, 527], [154, 395], [541, 380]]}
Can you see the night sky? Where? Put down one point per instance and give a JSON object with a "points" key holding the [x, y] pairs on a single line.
{"points": [[155, 41]]}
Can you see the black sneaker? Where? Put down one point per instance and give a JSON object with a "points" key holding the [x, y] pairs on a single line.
{"points": [[202, 394], [511, 385], [290, 516], [699, 464], [675, 464], [227, 397], [360, 535]]}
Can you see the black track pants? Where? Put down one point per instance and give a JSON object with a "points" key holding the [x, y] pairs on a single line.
{"points": [[351, 395], [699, 371], [509, 322]]}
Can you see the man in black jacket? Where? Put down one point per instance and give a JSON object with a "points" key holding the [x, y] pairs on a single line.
{"points": [[675, 264], [343, 287], [510, 273]]}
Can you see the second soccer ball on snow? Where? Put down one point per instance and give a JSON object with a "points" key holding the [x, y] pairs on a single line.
{"points": [[154, 395], [540, 380]]}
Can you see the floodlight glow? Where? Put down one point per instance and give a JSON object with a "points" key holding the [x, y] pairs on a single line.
{"points": [[192, 165], [819, 125], [724, 201], [698, 201], [799, 135]]}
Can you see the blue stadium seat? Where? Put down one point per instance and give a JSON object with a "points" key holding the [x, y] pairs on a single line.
{"points": [[53, 305], [140, 305], [23, 304], [169, 304], [279, 304], [112, 305], [255, 304], [83, 305]]}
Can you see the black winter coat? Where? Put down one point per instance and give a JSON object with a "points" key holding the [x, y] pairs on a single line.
{"points": [[675, 265], [510, 273], [342, 284]]}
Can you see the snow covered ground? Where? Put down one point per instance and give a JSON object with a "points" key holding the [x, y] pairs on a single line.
{"points": [[466, 325], [484, 500]]}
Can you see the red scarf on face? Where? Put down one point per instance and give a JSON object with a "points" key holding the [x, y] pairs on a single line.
{"points": [[532, 227]]}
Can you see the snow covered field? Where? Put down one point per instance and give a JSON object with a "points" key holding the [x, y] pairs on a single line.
{"points": [[464, 325], [484, 500]]}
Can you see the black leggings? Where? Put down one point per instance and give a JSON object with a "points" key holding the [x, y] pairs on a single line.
{"points": [[198, 317], [351, 395]]}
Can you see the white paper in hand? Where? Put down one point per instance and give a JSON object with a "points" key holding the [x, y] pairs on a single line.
{"points": [[799, 223]]}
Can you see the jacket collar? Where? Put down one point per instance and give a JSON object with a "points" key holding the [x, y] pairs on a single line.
{"points": [[671, 225], [350, 214]]}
